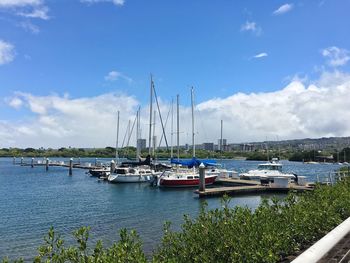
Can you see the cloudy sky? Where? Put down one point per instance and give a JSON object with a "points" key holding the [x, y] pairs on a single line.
{"points": [[273, 69]]}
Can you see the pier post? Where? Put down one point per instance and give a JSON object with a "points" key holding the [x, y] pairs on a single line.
{"points": [[21, 161], [71, 166], [79, 160], [112, 166], [201, 177], [95, 162], [14, 160], [32, 163], [47, 164]]}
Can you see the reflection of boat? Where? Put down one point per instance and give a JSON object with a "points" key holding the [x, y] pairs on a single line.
{"points": [[267, 171], [131, 175]]}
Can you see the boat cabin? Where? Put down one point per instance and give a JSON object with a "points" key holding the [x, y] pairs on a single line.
{"points": [[270, 166]]}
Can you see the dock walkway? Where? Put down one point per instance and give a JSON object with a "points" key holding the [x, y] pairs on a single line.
{"points": [[241, 187]]}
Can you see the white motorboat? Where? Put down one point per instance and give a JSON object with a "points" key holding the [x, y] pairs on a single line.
{"points": [[268, 171], [132, 175]]}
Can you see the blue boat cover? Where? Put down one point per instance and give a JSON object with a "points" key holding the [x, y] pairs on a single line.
{"points": [[194, 162]]}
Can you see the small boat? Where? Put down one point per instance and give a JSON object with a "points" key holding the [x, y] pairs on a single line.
{"points": [[267, 172], [132, 175], [100, 171]]}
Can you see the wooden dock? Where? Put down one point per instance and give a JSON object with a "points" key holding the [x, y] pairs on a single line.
{"points": [[249, 189]]}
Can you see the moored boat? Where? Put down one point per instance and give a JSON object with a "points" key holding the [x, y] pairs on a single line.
{"points": [[268, 171], [189, 178], [131, 175]]}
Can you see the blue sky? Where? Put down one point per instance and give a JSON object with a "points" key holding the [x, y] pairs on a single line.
{"points": [[84, 49]]}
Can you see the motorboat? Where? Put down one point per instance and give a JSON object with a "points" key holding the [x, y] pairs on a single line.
{"points": [[268, 171]]}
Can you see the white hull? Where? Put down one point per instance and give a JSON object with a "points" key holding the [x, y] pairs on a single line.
{"points": [[122, 178]]}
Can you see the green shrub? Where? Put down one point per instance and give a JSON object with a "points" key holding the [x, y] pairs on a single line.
{"points": [[276, 229]]}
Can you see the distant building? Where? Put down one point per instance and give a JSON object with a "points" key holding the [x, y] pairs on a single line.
{"points": [[208, 146], [141, 143], [246, 147], [222, 145]]}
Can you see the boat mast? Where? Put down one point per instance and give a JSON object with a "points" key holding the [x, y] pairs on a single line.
{"points": [[221, 140], [154, 133], [178, 126], [193, 133], [138, 134], [172, 132], [116, 143], [150, 118]]}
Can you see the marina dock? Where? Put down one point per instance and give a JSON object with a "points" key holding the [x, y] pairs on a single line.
{"points": [[241, 187]]}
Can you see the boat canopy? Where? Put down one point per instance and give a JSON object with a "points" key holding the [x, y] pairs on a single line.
{"points": [[194, 162]]}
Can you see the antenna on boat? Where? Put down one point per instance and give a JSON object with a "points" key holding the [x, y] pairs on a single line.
{"points": [[193, 133], [116, 143], [150, 118]]}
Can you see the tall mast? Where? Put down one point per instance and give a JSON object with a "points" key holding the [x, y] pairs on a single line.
{"points": [[137, 134], [172, 131], [116, 143], [193, 133], [178, 126], [150, 118], [129, 124], [154, 136]]}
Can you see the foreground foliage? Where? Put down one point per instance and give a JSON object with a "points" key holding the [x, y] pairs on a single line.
{"points": [[276, 229]]}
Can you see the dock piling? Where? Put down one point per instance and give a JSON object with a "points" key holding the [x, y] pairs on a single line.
{"points": [[95, 162], [21, 161], [47, 164], [32, 163], [201, 177], [112, 166], [71, 166], [79, 161]]}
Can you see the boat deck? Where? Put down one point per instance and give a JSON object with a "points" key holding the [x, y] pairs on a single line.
{"points": [[250, 189]]}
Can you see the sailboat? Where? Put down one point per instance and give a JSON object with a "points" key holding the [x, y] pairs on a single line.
{"points": [[133, 172], [184, 177]]}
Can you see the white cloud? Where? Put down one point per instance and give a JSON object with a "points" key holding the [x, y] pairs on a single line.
{"points": [[19, 3], [252, 27], [30, 27], [115, 2], [295, 111], [7, 52], [15, 103], [40, 12], [283, 9], [336, 56], [115, 75], [27, 8], [260, 55]]}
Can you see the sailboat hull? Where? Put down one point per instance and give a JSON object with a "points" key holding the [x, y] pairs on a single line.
{"points": [[174, 182]]}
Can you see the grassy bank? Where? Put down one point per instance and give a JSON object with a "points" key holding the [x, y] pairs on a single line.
{"points": [[276, 229]]}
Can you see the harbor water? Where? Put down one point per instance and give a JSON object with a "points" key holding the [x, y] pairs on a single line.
{"points": [[32, 200]]}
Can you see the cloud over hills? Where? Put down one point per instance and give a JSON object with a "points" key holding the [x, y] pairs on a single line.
{"points": [[295, 111]]}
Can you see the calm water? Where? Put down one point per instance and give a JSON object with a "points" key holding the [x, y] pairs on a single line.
{"points": [[32, 200]]}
